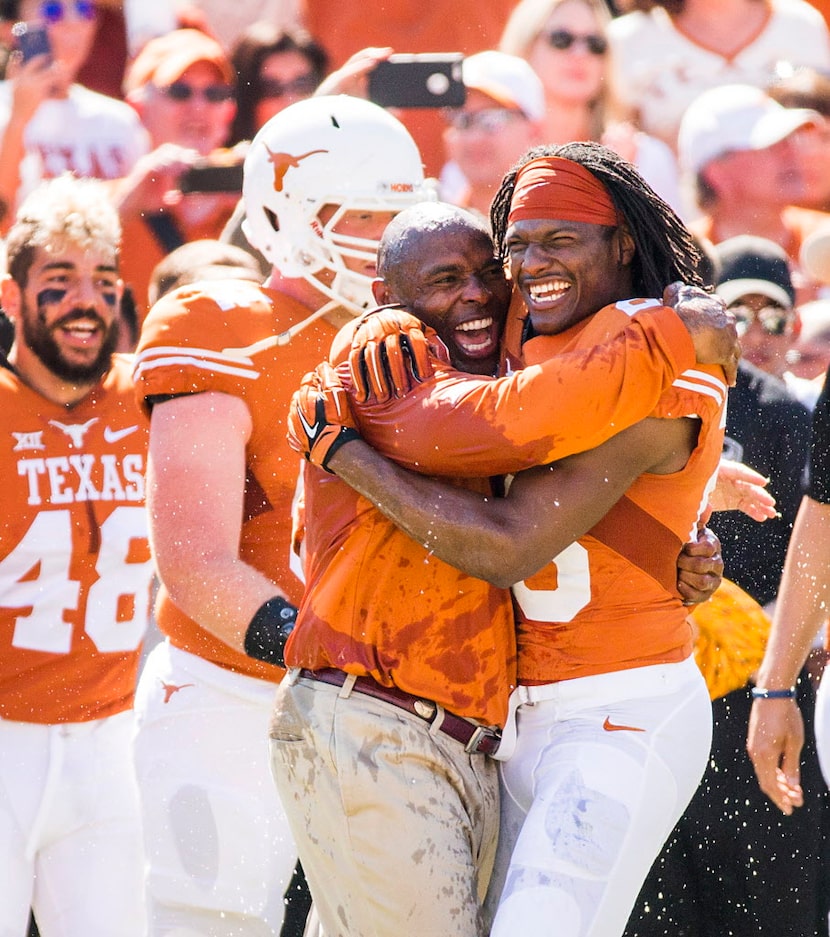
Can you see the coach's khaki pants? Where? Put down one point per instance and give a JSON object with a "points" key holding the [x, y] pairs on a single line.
{"points": [[396, 827]]}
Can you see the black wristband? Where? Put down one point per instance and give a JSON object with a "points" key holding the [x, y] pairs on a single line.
{"points": [[269, 630]]}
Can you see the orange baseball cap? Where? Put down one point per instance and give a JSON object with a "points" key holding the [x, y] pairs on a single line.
{"points": [[166, 58]]}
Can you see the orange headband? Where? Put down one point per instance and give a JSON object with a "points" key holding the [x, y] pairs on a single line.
{"points": [[559, 189]]}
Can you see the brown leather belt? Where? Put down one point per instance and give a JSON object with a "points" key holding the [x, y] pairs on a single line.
{"points": [[476, 739]]}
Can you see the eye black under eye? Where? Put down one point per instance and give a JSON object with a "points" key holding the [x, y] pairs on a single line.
{"points": [[50, 296]]}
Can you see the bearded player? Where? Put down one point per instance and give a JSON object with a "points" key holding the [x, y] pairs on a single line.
{"points": [[75, 575]]}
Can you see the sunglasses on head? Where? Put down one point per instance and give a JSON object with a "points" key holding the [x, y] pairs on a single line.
{"points": [[53, 11], [213, 94], [774, 320], [564, 39], [302, 84]]}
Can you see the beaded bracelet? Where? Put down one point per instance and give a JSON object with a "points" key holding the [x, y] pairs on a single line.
{"points": [[760, 692]]}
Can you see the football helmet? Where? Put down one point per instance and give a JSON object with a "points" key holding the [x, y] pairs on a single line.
{"points": [[337, 151]]}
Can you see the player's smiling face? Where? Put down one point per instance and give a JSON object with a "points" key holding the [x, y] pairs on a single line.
{"points": [[454, 283], [69, 311], [568, 270]]}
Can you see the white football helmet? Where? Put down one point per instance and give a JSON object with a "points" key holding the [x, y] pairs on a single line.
{"points": [[336, 150]]}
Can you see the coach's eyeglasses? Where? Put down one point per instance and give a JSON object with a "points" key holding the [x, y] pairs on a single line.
{"points": [[773, 319], [53, 11], [214, 94], [563, 39]]}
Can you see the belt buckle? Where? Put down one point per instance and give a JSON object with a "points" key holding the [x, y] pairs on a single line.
{"points": [[480, 734]]}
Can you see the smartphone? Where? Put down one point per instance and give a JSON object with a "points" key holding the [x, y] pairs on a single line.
{"points": [[31, 39], [418, 80], [210, 177]]}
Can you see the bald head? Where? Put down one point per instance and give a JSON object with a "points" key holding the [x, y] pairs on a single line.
{"points": [[438, 262], [411, 232]]}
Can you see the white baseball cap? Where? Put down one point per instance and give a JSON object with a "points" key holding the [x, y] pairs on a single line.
{"points": [[815, 255], [507, 79], [732, 118]]}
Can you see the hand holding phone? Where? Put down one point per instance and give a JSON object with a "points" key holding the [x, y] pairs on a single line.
{"points": [[212, 177], [418, 80], [32, 39]]}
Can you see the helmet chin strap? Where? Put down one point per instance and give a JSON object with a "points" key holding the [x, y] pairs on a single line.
{"points": [[336, 301]]}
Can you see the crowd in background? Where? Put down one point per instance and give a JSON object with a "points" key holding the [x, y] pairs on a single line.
{"points": [[724, 108]]}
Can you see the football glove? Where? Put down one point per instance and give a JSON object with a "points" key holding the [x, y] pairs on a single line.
{"points": [[319, 418], [391, 353]]}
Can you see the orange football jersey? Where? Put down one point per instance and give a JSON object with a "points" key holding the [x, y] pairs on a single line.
{"points": [[224, 336], [609, 601], [75, 567], [378, 603], [452, 424], [455, 424]]}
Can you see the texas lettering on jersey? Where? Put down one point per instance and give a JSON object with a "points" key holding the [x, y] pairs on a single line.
{"points": [[75, 567]]}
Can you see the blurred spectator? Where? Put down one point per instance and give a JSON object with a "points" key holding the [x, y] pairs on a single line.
{"points": [[182, 86], [51, 124], [103, 69], [809, 88], [408, 26], [566, 43], [755, 283], [500, 119], [737, 146], [273, 69], [766, 428], [204, 259], [663, 58], [147, 19]]}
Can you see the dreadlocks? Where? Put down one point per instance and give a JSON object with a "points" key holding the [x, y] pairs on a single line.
{"points": [[665, 250]]}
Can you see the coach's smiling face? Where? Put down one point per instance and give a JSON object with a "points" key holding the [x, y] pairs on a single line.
{"points": [[452, 282]]}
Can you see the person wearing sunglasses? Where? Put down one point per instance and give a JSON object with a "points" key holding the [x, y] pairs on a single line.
{"points": [[49, 122], [565, 42], [500, 119], [755, 282], [765, 426], [273, 69], [182, 86], [667, 52]]}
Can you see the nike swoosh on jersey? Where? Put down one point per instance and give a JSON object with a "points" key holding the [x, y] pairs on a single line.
{"points": [[613, 727], [311, 431], [113, 435]]}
